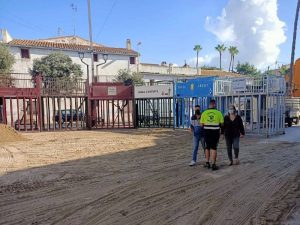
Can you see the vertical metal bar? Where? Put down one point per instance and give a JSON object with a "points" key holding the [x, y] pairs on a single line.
{"points": [[24, 115], [129, 114], [72, 112], [41, 113], [48, 113], [47, 109], [11, 113], [102, 113], [38, 118], [18, 115], [31, 114], [5, 110], [54, 114], [118, 113], [59, 112], [66, 113], [98, 118], [143, 112], [113, 113], [77, 109], [108, 108]]}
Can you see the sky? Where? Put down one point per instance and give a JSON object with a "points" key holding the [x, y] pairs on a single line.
{"points": [[168, 30]]}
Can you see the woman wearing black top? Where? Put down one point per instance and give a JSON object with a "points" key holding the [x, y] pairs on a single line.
{"points": [[233, 129]]}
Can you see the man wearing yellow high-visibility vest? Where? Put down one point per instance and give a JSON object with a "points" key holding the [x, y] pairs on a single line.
{"points": [[211, 119]]}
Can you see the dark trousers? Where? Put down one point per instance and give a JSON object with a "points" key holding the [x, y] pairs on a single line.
{"points": [[233, 142]]}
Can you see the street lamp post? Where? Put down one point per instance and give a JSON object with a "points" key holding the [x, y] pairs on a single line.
{"points": [[81, 57], [91, 38], [105, 57], [88, 118]]}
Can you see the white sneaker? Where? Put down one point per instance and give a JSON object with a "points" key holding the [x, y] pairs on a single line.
{"points": [[192, 163]]}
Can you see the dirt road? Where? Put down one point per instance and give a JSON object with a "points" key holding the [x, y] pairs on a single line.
{"points": [[142, 177]]}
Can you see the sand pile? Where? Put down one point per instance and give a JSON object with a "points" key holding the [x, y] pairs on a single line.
{"points": [[8, 134]]}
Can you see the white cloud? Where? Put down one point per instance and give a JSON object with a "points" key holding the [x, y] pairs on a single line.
{"points": [[254, 27], [203, 60]]}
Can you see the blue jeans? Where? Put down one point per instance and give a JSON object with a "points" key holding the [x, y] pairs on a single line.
{"points": [[196, 139], [233, 142]]}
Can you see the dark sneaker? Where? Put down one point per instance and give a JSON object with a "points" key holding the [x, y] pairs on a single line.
{"points": [[214, 167], [207, 165]]}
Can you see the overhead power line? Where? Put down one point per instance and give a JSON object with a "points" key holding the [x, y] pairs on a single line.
{"points": [[106, 18]]}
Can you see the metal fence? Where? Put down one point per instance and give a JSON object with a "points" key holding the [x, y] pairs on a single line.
{"points": [[154, 105], [63, 113], [64, 87], [16, 80], [259, 101], [188, 94], [111, 105]]}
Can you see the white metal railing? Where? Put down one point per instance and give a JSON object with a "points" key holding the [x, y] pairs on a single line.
{"points": [[248, 85]]}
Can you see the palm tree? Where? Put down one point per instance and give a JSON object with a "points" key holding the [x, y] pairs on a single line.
{"points": [[197, 48], [293, 48], [235, 51], [230, 49], [220, 49]]}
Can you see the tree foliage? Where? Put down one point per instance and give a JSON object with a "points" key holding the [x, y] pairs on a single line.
{"points": [[56, 65], [284, 70], [197, 49], [206, 67], [233, 51], [6, 60], [60, 74], [129, 78], [221, 49], [247, 69]]}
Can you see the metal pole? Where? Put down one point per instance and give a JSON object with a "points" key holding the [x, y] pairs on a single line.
{"points": [[91, 39], [290, 86]]}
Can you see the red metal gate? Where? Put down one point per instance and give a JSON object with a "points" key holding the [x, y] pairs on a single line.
{"points": [[20, 102], [63, 112], [111, 105]]}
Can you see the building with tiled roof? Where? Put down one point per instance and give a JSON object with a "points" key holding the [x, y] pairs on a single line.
{"points": [[25, 51], [73, 39], [107, 60], [42, 44]]}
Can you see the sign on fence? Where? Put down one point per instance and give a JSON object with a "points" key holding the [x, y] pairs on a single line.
{"points": [[199, 87], [156, 91], [112, 91], [238, 85]]}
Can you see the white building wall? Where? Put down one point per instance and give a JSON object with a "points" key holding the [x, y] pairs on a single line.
{"points": [[111, 67]]}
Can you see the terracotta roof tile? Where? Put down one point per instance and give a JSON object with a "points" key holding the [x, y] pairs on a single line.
{"points": [[218, 73], [75, 47]]}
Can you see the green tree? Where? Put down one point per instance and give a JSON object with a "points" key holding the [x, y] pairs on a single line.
{"points": [[247, 69], [220, 49], [56, 65], [60, 74], [233, 51], [6, 60], [205, 67], [284, 70], [293, 47], [197, 48], [128, 78]]}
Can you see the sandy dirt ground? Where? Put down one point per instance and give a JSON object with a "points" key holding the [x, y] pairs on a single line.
{"points": [[143, 177]]}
